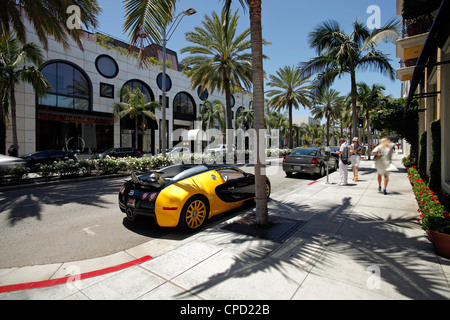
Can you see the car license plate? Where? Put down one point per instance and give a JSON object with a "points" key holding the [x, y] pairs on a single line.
{"points": [[298, 168], [131, 203]]}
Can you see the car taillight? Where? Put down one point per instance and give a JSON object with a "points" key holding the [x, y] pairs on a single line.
{"points": [[284, 159], [314, 161], [122, 190], [152, 196], [144, 196]]}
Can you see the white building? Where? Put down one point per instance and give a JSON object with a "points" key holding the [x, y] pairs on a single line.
{"points": [[307, 120], [78, 114]]}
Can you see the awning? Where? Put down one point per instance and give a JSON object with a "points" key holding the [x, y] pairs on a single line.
{"points": [[438, 31]]}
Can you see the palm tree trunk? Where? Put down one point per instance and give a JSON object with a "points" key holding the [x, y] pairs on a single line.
{"points": [[2, 132], [227, 90], [13, 117], [354, 93], [328, 131], [136, 132], [369, 135], [262, 215], [291, 138]]}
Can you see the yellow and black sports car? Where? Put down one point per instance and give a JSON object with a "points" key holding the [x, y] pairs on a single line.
{"points": [[186, 195]]}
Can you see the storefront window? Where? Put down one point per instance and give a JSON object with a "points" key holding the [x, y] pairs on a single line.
{"points": [[70, 88], [184, 106]]}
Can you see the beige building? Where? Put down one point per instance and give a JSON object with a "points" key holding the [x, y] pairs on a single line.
{"points": [[425, 70]]}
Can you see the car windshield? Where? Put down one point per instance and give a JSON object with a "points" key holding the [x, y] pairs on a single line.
{"points": [[304, 152], [189, 172]]}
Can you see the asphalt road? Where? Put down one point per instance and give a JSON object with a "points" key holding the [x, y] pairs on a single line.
{"points": [[74, 221]]}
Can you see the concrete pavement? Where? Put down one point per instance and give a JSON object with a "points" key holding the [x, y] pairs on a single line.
{"points": [[337, 242]]}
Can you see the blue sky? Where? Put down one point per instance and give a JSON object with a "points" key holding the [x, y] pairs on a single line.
{"points": [[286, 24]]}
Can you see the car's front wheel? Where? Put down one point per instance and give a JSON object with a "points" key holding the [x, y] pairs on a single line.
{"points": [[194, 214]]}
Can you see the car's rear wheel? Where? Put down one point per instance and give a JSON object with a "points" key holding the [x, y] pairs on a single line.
{"points": [[194, 214], [322, 171]]}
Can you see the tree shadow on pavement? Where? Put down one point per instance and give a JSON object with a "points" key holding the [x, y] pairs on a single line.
{"points": [[29, 203], [336, 244]]}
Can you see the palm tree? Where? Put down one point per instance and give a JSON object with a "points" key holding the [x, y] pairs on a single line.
{"points": [[219, 59], [255, 10], [275, 120], [339, 53], [48, 17], [327, 105], [245, 119], [134, 106], [212, 115], [13, 70], [370, 98], [292, 91]]}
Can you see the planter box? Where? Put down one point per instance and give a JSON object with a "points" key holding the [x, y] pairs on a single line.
{"points": [[441, 243]]}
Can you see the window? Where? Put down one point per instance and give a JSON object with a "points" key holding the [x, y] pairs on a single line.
{"points": [[184, 106], [70, 87], [106, 90], [145, 89], [190, 172], [304, 152], [230, 174], [159, 80], [107, 66], [202, 94], [233, 101]]}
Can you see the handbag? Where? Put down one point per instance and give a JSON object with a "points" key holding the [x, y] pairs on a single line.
{"points": [[378, 156]]}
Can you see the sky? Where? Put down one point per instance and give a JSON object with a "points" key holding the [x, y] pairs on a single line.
{"points": [[286, 24]]}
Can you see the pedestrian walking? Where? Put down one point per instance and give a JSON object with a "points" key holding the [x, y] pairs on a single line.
{"points": [[12, 151], [344, 161], [355, 157], [383, 162]]}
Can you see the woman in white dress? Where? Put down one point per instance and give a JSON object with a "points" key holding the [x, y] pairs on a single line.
{"points": [[384, 164]]}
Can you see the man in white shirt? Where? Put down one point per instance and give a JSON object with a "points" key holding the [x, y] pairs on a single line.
{"points": [[343, 167]]}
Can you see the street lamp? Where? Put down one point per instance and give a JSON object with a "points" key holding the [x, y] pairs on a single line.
{"points": [[165, 38]]}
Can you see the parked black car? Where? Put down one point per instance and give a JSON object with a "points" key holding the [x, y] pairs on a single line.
{"points": [[49, 156], [120, 153], [308, 160]]}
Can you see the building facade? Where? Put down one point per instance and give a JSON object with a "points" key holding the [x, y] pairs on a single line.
{"points": [[424, 51], [78, 112]]}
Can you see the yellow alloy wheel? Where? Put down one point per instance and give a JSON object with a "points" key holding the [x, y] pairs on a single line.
{"points": [[195, 214], [268, 190]]}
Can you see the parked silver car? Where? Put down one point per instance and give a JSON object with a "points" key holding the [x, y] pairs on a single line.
{"points": [[308, 160]]}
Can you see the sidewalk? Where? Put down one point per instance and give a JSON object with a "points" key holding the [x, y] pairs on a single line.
{"points": [[348, 242]]}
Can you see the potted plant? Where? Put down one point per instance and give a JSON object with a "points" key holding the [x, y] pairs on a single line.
{"points": [[434, 217]]}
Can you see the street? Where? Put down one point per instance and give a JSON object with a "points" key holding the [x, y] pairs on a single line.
{"points": [[74, 221]]}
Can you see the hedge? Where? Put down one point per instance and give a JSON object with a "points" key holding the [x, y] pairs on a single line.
{"points": [[110, 165]]}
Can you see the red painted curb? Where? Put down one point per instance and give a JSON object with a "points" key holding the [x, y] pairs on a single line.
{"points": [[310, 184], [54, 282]]}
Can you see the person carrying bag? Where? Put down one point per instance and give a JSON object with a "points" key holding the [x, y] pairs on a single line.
{"points": [[383, 162]]}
